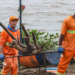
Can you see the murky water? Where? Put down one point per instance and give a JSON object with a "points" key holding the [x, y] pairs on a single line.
{"points": [[43, 15]]}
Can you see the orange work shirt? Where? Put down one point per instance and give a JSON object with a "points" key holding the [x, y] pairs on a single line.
{"points": [[69, 40], [6, 38]]}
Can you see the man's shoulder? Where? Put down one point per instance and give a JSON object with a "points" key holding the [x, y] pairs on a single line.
{"points": [[18, 31], [4, 32], [68, 18]]}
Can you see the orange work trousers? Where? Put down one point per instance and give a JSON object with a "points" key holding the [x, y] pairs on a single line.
{"points": [[10, 65], [64, 61]]}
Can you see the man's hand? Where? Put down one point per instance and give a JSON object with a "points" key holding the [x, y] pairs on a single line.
{"points": [[1, 56], [15, 44], [60, 49]]}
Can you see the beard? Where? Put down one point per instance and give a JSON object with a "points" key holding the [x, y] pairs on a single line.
{"points": [[13, 26]]}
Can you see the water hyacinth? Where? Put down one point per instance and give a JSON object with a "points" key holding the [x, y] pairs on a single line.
{"points": [[43, 38]]}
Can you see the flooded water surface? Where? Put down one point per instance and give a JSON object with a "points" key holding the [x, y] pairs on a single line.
{"points": [[43, 15]]}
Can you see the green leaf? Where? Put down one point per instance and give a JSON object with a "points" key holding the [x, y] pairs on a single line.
{"points": [[42, 38]]}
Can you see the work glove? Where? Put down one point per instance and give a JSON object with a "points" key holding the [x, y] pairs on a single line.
{"points": [[1, 56], [60, 49], [20, 53]]}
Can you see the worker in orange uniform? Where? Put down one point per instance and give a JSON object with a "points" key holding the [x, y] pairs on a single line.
{"points": [[66, 43], [10, 64]]}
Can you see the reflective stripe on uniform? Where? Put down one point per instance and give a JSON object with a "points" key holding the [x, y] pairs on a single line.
{"points": [[7, 43], [70, 31], [1, 73], [60, 73]]}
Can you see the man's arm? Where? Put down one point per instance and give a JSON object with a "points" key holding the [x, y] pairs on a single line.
{"points": [[3, 40], [60, 48], [1, 53], [61, 40], [1, 49], [64, 29]]}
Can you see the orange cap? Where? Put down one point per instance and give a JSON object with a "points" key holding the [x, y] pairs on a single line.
{"points": [[13, 18]]}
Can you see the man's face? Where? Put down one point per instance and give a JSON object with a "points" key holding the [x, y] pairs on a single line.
{"points": [[13, 23]]}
